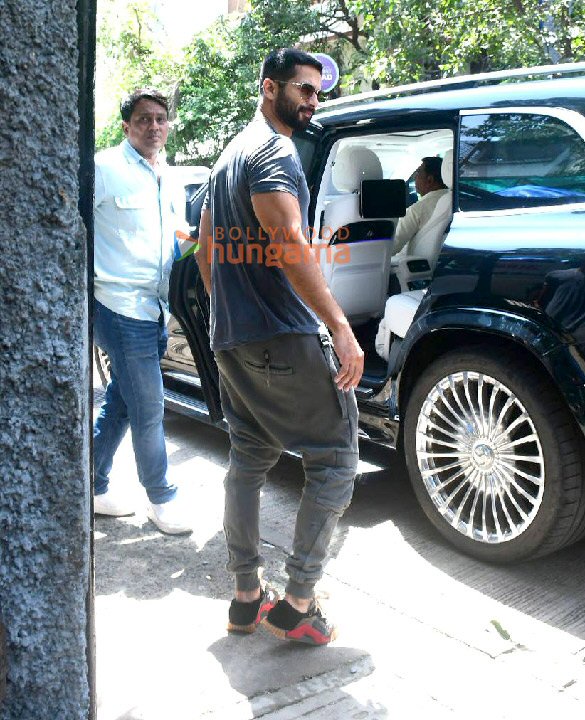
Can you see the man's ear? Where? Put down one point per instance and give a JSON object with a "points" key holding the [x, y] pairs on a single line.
{"points": [[269, 88], [125, 127]]}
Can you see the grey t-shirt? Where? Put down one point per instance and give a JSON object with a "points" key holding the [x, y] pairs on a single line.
{"points": [[251, 297]]}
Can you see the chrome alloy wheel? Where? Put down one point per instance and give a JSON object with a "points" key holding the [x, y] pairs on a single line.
{"points": [[480, 457]]}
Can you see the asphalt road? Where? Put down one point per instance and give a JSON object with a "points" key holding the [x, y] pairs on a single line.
{"points": [[405, 601]]}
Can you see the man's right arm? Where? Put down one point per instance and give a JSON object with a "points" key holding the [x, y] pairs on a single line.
{"points": [[406, 229], [203, 254]]}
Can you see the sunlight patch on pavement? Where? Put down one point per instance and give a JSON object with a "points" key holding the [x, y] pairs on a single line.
{"points": [[142, 538], [368, 467], [401, 578], [149, 654]]}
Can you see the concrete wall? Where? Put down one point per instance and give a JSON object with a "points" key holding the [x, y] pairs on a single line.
{"points": [[44, 368]]}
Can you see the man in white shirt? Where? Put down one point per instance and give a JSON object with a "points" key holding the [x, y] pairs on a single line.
{"points": [[430, 186], [137, 210]]}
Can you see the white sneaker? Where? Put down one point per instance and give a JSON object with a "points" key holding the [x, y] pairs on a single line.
{"points": [[169, 517], [108, 504]]}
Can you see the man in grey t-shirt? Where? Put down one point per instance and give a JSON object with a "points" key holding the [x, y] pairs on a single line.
{"points": [[281, 385]]}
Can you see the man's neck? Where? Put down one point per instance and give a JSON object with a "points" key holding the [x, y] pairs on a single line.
{"points": [[266, 111], [151, 159]]}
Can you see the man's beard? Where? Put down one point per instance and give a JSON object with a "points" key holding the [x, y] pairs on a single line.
{"points": [[289, 113]]}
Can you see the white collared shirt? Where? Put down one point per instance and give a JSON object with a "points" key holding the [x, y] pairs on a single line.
{"points": [[134, 223], [416, 216]]}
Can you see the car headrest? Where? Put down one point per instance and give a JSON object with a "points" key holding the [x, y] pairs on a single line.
{"points": [[354, 164], [447, 169]]}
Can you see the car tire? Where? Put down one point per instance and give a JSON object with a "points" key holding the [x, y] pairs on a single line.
{"points": [[495, 459], [102, 363]]}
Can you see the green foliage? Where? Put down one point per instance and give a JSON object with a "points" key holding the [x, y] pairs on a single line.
{"points": [[129, 55], [219, 83], [111, 134], [214, 82], [410, 40]]}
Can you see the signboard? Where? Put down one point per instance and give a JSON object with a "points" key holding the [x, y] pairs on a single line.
{"points": [[330, 74]]}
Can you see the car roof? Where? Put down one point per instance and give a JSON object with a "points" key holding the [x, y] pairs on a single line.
{"points": [[489, 90]]}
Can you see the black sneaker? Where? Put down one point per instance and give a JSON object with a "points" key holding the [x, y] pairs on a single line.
{"points": [[244, 617], [287, 623]]}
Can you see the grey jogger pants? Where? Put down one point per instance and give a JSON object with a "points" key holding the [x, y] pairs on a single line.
{"points": [[279, 394]]}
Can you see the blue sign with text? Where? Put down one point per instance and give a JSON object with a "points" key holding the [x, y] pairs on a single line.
{"points": [[330, 74]]}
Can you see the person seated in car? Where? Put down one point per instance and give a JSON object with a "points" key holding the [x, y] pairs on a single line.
{"points": [[430, 186]]}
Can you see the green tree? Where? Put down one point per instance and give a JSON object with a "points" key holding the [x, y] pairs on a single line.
{"points": [[411, 40], [218, 91], [130, 54]]}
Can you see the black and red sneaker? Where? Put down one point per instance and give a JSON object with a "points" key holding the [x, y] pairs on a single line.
{"points": [[244, 617], [287, 623]]}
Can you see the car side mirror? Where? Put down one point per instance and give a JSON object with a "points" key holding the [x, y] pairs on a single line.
{"points": [[383, 198]]}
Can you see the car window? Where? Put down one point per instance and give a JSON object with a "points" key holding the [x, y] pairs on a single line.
{"points": [[389, 156], [517, 160]]}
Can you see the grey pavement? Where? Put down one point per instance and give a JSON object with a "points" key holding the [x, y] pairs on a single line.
{"points": [[424, 631]]}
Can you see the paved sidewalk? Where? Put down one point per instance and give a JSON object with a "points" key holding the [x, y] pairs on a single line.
{"points": [[420, 636]]}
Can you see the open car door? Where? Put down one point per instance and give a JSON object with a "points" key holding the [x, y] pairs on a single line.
{"points": [[189, 304]]}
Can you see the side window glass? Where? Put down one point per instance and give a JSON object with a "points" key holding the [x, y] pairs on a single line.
{"points": [[517, 160]]}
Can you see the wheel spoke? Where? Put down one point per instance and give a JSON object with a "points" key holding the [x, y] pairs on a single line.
{"points": [[502, 496], [441, 486], [459, 403], [429, 472], [458, 417], [457, 517], [455, 427], [476, 418], [521, 441], [481, 414], [493, 395], [494, 493], [513, 425], [507, 405], [444, 443], [535, 479], [474, 506], [506, 491]]}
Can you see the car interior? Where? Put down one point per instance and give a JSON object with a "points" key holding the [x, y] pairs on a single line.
{"points": [[367, 184]]}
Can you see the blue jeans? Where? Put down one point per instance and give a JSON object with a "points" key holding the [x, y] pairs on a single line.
{"points": [[134, 398]]}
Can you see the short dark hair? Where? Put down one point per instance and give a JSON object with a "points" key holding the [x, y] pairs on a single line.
{"points": [[281, 64], [129, 103], [432, 166]]}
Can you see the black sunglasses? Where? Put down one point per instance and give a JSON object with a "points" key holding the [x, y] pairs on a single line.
{"points": [[307, 90]]}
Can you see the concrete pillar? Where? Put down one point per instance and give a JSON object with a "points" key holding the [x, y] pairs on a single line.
{"points": [[45, 568]]}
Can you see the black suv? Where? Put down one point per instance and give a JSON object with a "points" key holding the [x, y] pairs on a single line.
{"points": [[474, 334]]}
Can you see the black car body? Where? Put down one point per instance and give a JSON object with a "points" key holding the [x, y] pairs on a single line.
{"points": [[486, 385]]}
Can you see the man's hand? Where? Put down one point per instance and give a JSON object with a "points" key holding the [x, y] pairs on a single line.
{"points": [[351, 358]]}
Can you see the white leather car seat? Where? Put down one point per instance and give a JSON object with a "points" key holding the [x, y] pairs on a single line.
{"points": [[360, 286], [398, 316], [350, 167]]}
